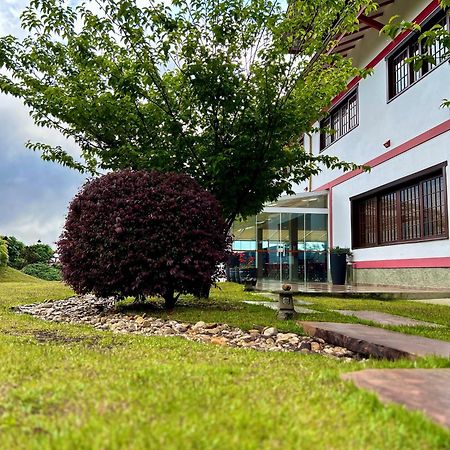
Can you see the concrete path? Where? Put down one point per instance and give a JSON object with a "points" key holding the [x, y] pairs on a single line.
{"points": [[426, 390], [376, 342], [385, 319]]}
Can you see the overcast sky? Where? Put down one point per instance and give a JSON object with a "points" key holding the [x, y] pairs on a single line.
{"points": [[34, 194]]}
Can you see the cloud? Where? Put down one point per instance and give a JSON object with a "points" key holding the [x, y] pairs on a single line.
{"points": [[34, 194]]}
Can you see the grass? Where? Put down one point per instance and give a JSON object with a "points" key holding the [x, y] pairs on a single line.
{"points": [[10, 275], [71, 387]]}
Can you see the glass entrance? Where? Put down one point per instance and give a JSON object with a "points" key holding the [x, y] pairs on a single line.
{"points": [[285, 246]]}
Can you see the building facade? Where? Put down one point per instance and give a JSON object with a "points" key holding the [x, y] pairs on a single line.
{"points": [[395, 218]]}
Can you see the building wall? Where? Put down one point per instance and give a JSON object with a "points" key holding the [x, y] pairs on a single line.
{"points": [[414, 112]]}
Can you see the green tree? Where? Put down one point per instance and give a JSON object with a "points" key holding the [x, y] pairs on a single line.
{"points": [[38, 253], [218, 89], [3, 252], [43, 271], [15, 251]]}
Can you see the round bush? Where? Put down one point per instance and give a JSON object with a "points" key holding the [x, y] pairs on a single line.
{"points": [[139, 233], [43, 271]]}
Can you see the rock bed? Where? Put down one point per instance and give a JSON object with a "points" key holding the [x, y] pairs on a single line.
{"points": [[101, 314]]}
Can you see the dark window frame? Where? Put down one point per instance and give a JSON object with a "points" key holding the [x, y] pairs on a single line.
{"points": [[349, 105], [390, 227], [409, 48]]}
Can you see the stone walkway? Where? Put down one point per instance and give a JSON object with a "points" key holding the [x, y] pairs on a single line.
{"points": [[385, 319], [376, 342], [426, 390]]}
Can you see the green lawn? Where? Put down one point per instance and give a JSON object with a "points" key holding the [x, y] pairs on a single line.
{"points": [[71, 387]]}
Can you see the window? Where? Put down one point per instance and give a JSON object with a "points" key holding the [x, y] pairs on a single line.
{"points": [[341, 119], [411, 210], [400, 71]]}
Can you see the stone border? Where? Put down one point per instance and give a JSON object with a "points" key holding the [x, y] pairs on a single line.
{"points": [[101, 314]]}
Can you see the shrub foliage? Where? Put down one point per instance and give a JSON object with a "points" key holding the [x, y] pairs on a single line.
{"points": [[140, 233], [43, 271], [3, 252], [15, 252]]}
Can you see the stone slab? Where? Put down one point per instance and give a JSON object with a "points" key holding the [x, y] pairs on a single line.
{"points": [[274, 297], [435, 301], [274, 306], [376, 342], [385, 319], [426, 390]]}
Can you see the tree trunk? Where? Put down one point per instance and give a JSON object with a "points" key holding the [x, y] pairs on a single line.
{"points": [[170, 300], [204, 290], [140, 298]]}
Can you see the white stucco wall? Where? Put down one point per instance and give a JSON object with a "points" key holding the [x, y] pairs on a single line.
{"points": [[413, 112], [426, 155]]}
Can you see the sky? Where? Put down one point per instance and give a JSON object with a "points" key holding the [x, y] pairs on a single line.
{"points": [[34, 194]]}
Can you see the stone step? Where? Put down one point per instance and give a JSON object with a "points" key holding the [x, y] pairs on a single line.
{"points": [[376, 342], [425, 390]]}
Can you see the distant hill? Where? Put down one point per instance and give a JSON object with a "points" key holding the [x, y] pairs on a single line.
{"points": [[10, 275]]}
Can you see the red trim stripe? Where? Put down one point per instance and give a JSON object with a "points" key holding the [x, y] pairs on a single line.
{"points": [[330, 215], [408, 145], [400, 38], [416, 263]]}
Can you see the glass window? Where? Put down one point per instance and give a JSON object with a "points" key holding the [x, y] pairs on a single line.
{"points": [[414, 211], [401, 71], [342, 119]]}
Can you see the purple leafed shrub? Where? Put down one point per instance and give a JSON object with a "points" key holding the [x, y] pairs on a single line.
{"points": [[139, 233]]}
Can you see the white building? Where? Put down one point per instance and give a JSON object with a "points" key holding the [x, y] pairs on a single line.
{"points": [[394, 218]]}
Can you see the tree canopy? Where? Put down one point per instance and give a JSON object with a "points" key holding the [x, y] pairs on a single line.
{"points": [[221, 90]]}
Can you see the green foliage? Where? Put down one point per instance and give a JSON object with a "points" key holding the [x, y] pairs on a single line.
{"points": [[38, 253], [43, 271], [15, 250], [220, 90], [3, 252], [341, 251]]}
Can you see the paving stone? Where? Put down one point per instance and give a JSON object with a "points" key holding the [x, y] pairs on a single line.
{"points": [[376, 342], [301, 310], [271, 305], [274, 306], [426, 390], [274, 297], [435, 301], [385, 319]]}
